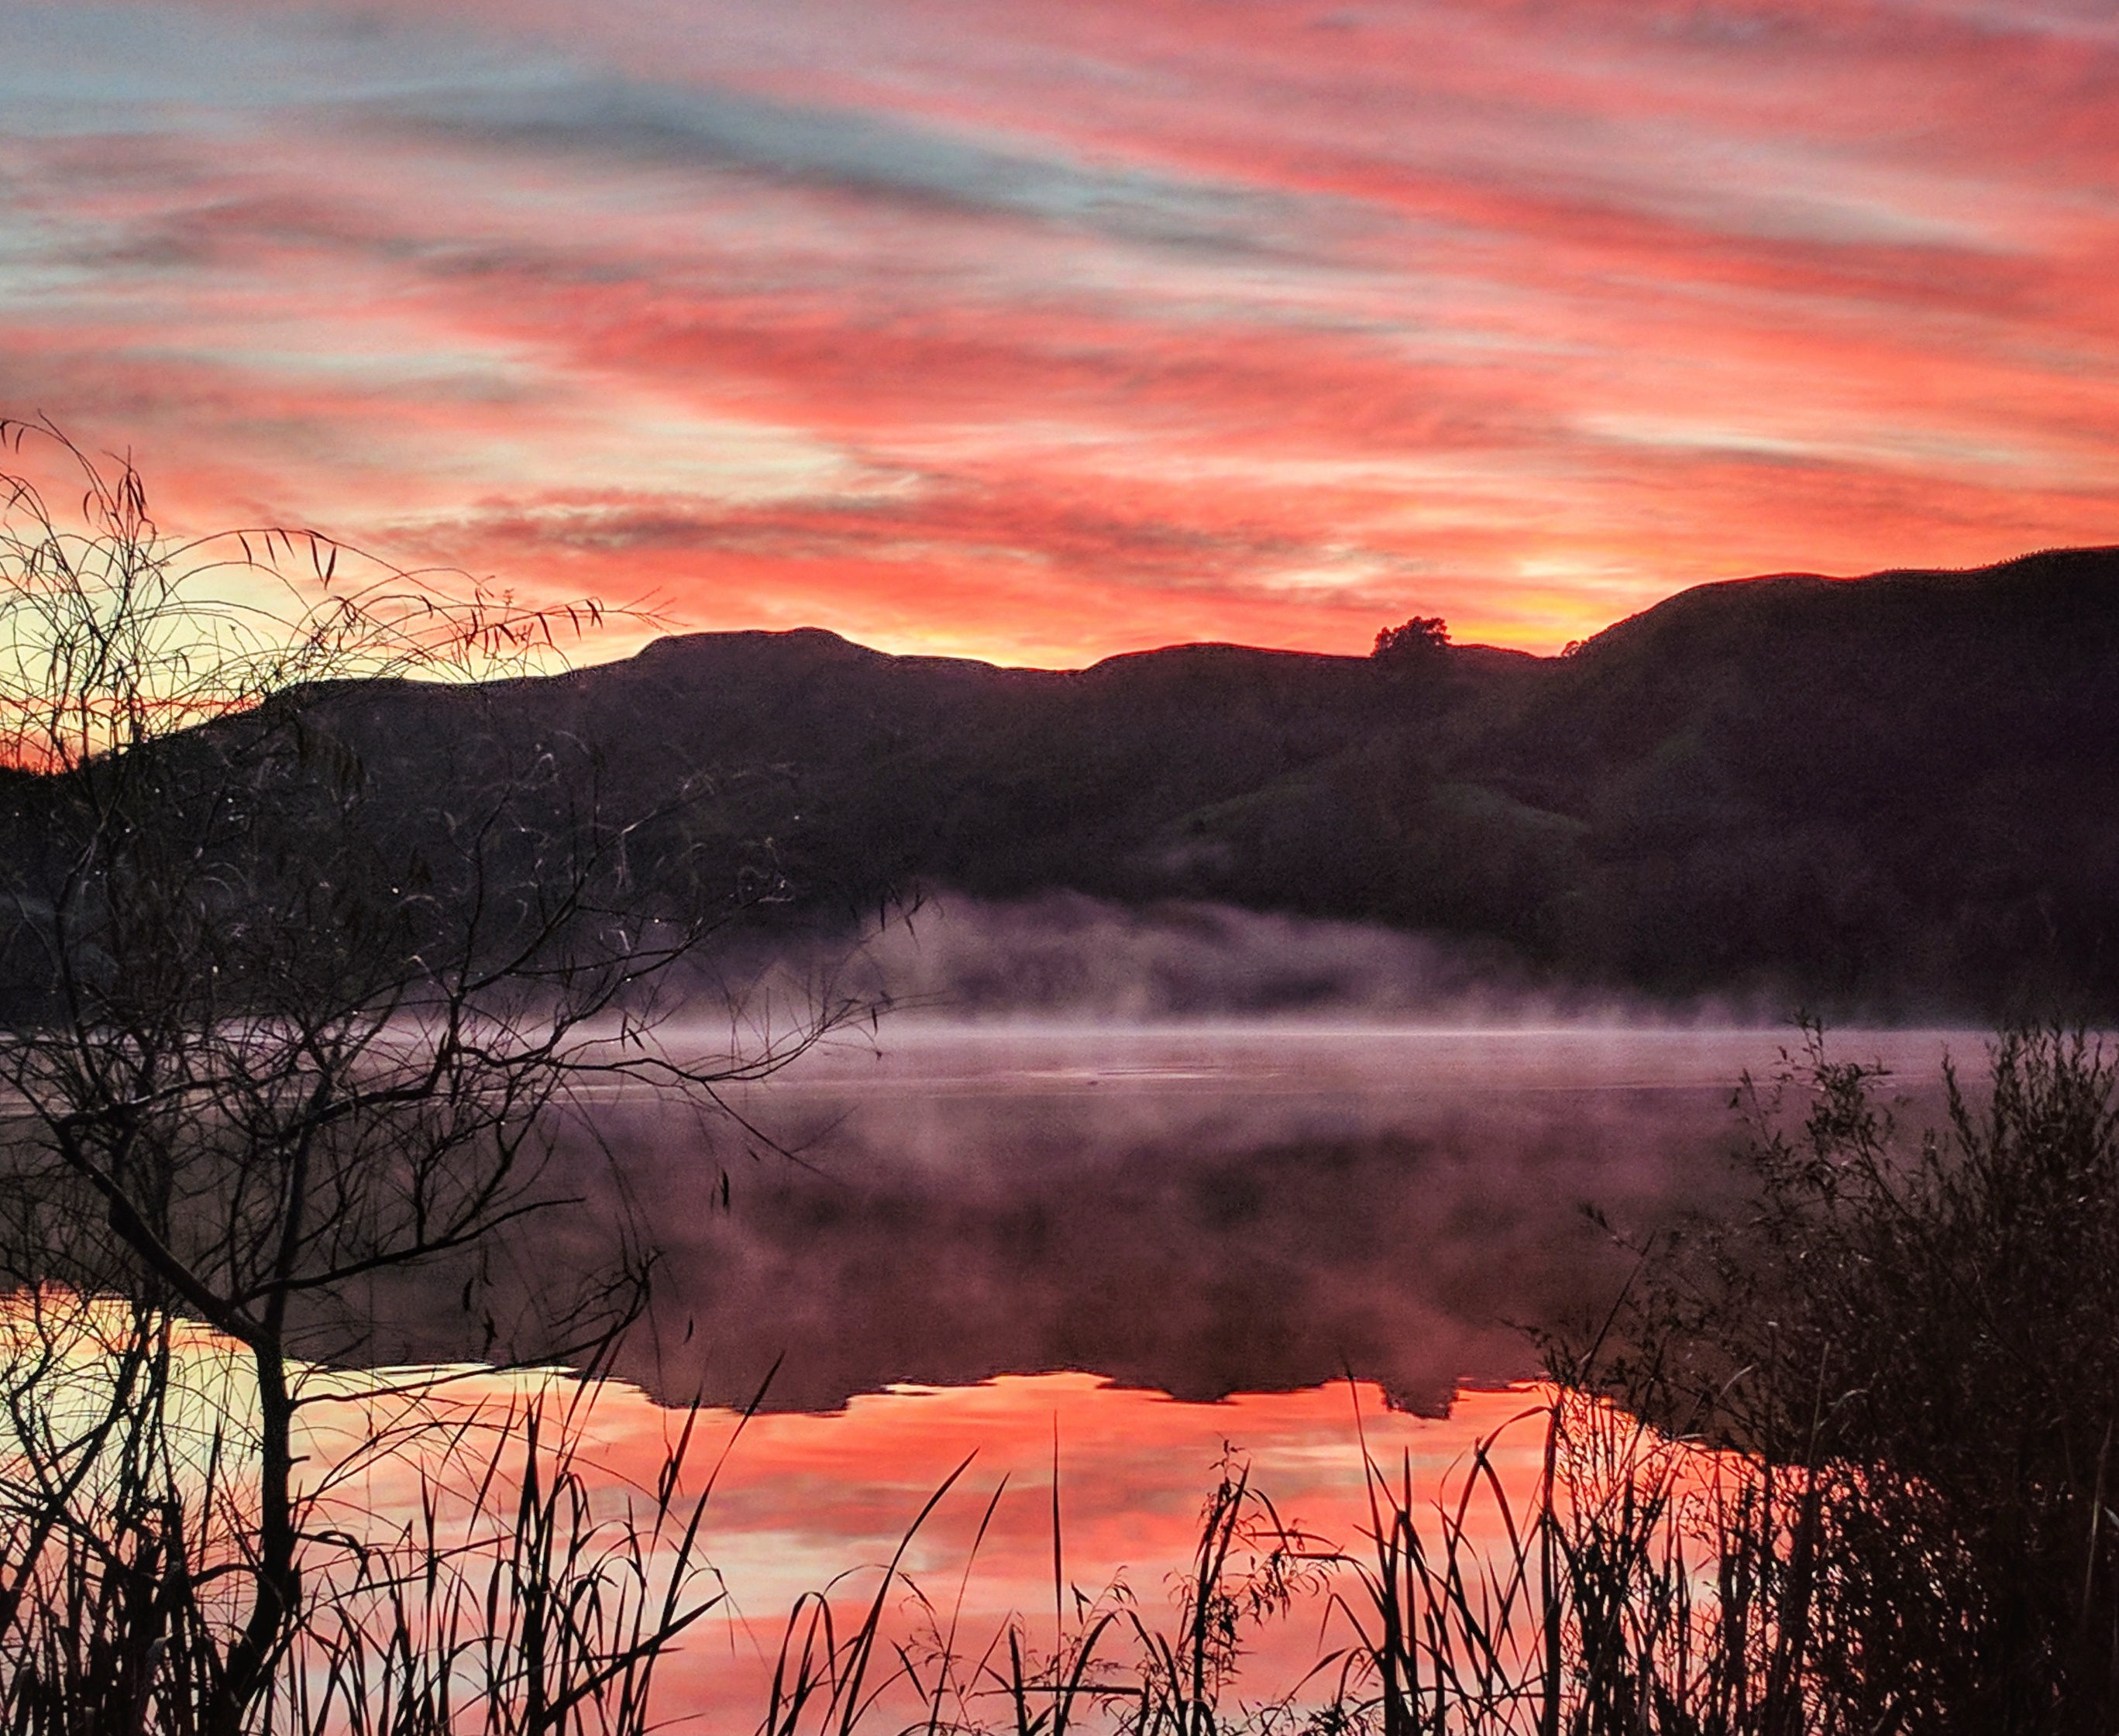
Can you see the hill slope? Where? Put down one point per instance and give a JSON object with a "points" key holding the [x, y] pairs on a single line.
{"points": [[1900, 791]]}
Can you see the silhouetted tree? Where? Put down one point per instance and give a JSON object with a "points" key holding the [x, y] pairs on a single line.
{"points": [[1418, 638], [274, 1029]]}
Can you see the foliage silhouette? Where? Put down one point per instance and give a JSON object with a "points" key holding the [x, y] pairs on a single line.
{"points": [[1918, 1334], [1412, 641]]}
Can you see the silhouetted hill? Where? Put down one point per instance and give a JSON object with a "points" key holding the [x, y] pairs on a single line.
{"points": [[1899, 792]]}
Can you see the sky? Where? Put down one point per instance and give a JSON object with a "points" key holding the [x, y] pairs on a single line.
{"points": [[1041, 330]]}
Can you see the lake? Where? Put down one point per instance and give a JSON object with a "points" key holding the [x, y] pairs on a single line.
{"points": [[1006, 1304], [1123, 1257]]}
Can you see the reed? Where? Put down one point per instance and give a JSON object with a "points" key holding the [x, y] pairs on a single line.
{"points": [[512, 1600], [1638, 1587]]}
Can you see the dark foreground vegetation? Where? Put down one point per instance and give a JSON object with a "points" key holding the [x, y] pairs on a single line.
{"points": [[1914, 1341], [1891, 795]]}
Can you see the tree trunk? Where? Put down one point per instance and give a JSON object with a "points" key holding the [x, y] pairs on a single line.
{"points": [[277, 1581]]}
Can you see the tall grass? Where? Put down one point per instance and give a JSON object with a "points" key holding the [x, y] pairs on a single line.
{"points": [[1632, 1588], [510, 1598]]}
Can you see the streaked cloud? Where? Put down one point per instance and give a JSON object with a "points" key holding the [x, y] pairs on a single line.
{"points": [[860, 154], [1071, 326]]}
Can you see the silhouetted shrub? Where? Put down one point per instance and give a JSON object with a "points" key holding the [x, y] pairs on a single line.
{"points": [[1925, 1333]]}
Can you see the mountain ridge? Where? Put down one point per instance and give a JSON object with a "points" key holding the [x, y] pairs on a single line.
{"points": [[1899, 792]]}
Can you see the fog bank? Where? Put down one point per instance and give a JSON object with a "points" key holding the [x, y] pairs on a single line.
{"points": [[1065, 957]]}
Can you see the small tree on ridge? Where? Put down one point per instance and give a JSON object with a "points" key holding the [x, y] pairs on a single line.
{"points": [[1418, 638]]}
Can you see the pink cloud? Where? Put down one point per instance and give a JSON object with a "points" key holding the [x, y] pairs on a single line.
{"points": [[1095, 326]]}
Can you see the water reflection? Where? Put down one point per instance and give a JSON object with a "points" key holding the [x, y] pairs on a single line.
{"points": [[1196, 1212], [1186, 1215], [803, 1498]]}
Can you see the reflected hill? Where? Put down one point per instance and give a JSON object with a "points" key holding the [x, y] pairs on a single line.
{"points": [[1200, 1212]]}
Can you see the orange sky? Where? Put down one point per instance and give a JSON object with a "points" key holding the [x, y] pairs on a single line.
{"points": [[1038, 330]]}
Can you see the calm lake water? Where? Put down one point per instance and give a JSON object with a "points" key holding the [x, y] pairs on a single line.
{"points": [[1197, 1211], [1128, 1252]]}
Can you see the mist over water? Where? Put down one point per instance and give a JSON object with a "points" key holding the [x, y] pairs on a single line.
{"points": [[1062, 955], [1202, 1207]]}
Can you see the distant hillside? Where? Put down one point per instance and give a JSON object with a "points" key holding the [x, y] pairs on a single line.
{"points": [[1899, 792]]}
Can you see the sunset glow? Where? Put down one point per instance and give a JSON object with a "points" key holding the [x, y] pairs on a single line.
{"points": [[1047, 329]]}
